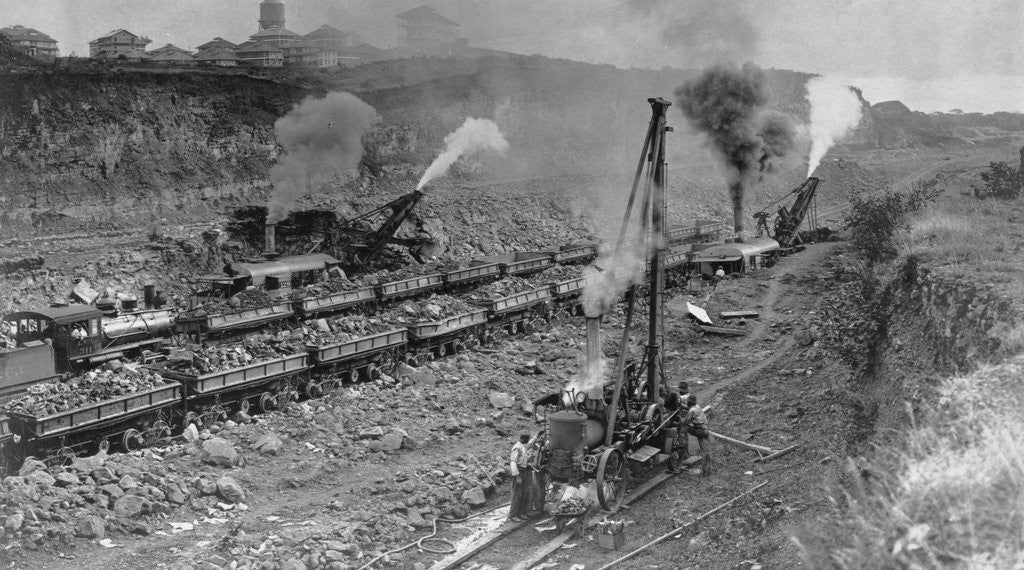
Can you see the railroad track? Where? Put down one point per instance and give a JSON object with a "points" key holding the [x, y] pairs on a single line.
{"points": [[501, 530]]}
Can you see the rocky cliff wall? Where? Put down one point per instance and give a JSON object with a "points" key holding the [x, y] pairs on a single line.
{"points": [[940, 324]]}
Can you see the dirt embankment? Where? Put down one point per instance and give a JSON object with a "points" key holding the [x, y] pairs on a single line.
{"points": [[936, 325]]}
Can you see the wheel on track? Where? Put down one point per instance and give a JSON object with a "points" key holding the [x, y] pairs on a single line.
{"points": [[612, 478], [266, 402], [442, 350], [372, 371], [314, 389], [131, 440]]}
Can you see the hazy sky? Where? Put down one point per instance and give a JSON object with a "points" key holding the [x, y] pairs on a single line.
{"points": [[934, 55]]}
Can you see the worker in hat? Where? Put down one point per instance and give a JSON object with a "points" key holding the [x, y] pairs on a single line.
{"points": [[719, 273], [696, 424], [519, 468]]}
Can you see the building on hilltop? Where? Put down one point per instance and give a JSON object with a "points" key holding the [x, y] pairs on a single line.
{"points": [[322, 47], [275, 36], [271, 14], [428, 31], [172, 55], [31, 42], [220, 58], [218, 43], [119, 43], [327, 37], [259, 54], [217, 51]]}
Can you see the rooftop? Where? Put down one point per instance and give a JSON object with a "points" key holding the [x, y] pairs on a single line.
{"points": [[22, 33], [426, 15]]}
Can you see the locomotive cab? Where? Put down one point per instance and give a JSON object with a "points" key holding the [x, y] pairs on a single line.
{"points": [[74, 331]]}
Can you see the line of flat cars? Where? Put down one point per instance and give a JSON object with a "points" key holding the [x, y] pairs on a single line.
{"points": [[64, 341]]}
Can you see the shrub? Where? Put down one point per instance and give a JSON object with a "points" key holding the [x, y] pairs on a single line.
{"points": [[1001, 181], [876, 218]]}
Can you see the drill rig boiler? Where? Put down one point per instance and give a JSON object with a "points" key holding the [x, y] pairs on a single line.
{"points": [[606, 430]]}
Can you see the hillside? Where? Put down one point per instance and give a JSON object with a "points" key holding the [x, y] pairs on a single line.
{"points": [[89, 145]]}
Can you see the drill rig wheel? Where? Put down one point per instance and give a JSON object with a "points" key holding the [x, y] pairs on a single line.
{"points": [[612, 478]]}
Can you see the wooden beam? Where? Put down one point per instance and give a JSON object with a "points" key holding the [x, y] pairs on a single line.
{"points": [[748, 314], [456, 558], [723, 331], [776, 454], [743, 444]]}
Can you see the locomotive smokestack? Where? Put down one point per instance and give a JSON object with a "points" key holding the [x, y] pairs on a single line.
{"points": [[268, 241], [595, 387], [148, 294]]}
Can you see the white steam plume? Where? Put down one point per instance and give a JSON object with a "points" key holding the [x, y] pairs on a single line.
{"points": [[614, 274], [474, 135], [835, 111], [321, 137]]}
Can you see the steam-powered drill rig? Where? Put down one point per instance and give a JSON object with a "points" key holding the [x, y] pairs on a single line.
{"points": [[605, 430]]}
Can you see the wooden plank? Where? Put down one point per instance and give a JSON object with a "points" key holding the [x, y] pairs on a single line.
{"points": [[776, 454], [554, 544], [723, 331], [750, 446], [454, 559], [748, 314]]}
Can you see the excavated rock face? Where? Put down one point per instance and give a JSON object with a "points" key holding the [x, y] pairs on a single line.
{"points": [[83, 147]]}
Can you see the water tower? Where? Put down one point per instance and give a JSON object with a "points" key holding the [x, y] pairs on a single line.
{"points": [[271, 14]]}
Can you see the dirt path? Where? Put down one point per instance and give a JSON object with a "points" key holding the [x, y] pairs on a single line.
{"points": [[769, 305]]}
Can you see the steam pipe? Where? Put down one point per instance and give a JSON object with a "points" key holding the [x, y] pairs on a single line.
{"points": [[268, 241]]}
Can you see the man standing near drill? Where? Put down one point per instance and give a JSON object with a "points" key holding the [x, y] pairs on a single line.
{"points": [[518, 467], [696, 424]]}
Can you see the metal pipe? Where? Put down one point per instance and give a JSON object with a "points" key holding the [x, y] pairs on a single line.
{"points": [[269, 238]]}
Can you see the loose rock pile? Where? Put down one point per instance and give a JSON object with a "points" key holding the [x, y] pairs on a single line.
{"points": [[509, 285], [557, 273], [114, 380], [243, 300], [319, 332], [435, 308], [387, 276], [102, 495], [256, 348], [334, 285]]}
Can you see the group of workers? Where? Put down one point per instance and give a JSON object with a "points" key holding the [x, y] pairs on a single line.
{"points": [[529, 479]]}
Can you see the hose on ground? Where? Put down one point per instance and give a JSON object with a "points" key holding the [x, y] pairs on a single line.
{"points": [[449, 546]]}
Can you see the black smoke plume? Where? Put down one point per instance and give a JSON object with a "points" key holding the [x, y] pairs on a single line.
{"points": [[727, 104]]}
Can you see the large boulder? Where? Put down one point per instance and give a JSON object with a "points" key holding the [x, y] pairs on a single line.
{"points": [[392, 442], [501, 399], [268, 444], [230, 490], [67, 479], [474, 497], [219, 451], [190, 433], [375, 432], [13, 522], [31, 465], [90, 527], [131, 505], [41, 479]]}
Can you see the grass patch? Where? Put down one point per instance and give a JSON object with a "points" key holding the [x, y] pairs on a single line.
{"points": [[951, 496], [966, 235]]}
